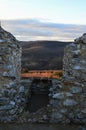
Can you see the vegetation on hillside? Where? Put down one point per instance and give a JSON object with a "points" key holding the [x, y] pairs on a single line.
{"points": [[42, 55]]}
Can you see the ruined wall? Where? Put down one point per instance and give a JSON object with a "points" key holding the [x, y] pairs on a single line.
{"points": [[10, 70], [68, 97]]}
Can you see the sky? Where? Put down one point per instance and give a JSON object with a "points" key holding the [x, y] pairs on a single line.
{"points": [[44, 19]]}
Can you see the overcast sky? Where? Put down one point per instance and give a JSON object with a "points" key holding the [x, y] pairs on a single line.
{"points": [[44, 19]]}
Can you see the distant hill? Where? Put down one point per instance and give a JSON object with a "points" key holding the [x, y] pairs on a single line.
{"points": [[42, 55]]}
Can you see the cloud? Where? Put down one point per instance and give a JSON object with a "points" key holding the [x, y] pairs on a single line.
{"points": [[35, 29]]}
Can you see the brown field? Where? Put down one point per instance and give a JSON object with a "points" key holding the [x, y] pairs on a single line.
{"points": [[42, 74]]}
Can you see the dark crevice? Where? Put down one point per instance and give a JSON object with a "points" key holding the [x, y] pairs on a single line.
{"points": [[37, 102], [39, 95]]}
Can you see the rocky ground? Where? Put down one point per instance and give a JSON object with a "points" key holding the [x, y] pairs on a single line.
{"points": [[26, 126], [40, 116]]}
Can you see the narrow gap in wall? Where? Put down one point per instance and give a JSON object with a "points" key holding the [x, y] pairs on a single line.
{"points": [[39, 95]]}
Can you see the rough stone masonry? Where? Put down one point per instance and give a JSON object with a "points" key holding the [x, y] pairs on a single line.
{"points": [[69, 99], [10, 69], [67, 96]]}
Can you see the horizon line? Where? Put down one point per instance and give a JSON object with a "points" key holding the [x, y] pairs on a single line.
{"points": [[43, 21]]}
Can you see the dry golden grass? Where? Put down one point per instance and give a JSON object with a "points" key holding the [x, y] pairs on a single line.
{"points": [[43, 74]]}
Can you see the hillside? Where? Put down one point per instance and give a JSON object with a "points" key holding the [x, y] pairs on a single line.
{"points": [[42, 55]]}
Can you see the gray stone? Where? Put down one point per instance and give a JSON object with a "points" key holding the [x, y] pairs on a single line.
{"points": [[76, 121], [1, 40], [70, 102], [71, 115], [76, 89], [67, 121], [77, 67], [57, 115], [51, 102], [83, 128], [59, 95], [4, 101], [12, 103], [68, 94], [83, 38], [63, 110], [12, 112], [6, 107], [21, 89], [45, 117], [77, 52], [83, 111], [10, 55], [55, 103], [10, 85], [7, 67], [5, 74], [80, 116]]}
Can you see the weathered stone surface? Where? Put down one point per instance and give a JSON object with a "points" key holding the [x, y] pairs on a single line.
{"points": [[58, 96], [6, 107], [70, 102], [68, 94], [63, 110], [57, 115], [10, 71], [4, 101], [21, 89], [67, 97], [83, 110], [83, 38], [72, 94], [76, 89]]}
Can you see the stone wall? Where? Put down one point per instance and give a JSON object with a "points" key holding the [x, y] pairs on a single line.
{"points": [[68, 97], [10, 71]]}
